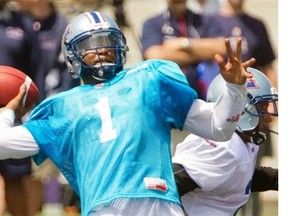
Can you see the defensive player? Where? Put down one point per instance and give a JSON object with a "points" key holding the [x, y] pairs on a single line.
{"points": [[111, 136], [221, 174]]}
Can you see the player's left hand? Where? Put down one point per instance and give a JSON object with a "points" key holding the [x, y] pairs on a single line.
{"points": [[234, 71]]}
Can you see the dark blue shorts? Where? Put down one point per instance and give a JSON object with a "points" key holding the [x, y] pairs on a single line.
{"points": [[11, 168]]}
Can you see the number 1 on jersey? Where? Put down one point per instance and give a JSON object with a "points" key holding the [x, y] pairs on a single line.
{"points": [[108, 133]]}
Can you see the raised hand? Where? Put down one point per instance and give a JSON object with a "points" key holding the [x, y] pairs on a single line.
{"points": [[234, 71]]}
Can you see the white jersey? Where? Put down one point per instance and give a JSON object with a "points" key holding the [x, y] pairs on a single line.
{"points": [[223, 171]]}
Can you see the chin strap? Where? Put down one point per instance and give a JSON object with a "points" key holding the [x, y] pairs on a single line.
{"points": [[258, 137]]}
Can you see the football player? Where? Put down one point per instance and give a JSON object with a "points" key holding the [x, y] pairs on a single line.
{"points": [[217, 177], [111, 136]]}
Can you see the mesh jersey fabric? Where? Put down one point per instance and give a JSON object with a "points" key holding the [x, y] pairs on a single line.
{"points": [[122, 127]]}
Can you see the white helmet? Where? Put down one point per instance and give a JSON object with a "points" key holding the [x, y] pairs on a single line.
{"points": [[259, 90], [93, 31]]}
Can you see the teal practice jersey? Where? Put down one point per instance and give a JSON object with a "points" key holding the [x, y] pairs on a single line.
{"points": [[112, 140]]}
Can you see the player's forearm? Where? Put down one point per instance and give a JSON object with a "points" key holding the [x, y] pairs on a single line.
{"points": [[218, 121], [7, 117], [177, 55], [206, 48], [179, 51], [15, 142], [184, 182], [264, 179], [228, 110]]}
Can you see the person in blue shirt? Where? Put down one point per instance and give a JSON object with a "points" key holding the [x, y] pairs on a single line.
{"points": [[110, 137], [186, 37]]}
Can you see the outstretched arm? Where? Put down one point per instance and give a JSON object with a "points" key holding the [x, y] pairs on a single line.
{"points": [[15, 142], [174, 50], [219, 121]]}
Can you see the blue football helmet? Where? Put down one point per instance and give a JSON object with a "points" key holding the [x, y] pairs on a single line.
{"points": [[259, 90], [92, 31]]}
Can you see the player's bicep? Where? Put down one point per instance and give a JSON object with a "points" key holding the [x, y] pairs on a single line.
{"points": [[17, 142], [202, 112]]}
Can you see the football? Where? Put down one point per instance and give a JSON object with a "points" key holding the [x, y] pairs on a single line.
{"points": [[10, 81]]}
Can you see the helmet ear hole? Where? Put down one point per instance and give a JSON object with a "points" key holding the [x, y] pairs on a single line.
{"points": [[247, 120]]}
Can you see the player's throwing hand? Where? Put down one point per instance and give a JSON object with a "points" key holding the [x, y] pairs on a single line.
{"points": [[16, 103], [234, 71]]}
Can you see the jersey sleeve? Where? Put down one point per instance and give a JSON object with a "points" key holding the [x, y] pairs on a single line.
{"points": [[176, 95], [46, 124], [7, 117], [218, 120], [15, 142]]}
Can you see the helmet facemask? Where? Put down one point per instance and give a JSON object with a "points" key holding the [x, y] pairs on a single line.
{"points": [[91, 32], [94, 41], [272, 99], [266, 107], [255, 109]]}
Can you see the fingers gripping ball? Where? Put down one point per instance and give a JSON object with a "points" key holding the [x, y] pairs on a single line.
{"points": [[10, 81]]}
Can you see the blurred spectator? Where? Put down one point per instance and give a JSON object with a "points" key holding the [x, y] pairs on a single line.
{"points": [[237, 22], [16, 40], [49, 25], [187, 38], [204, 6]]}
